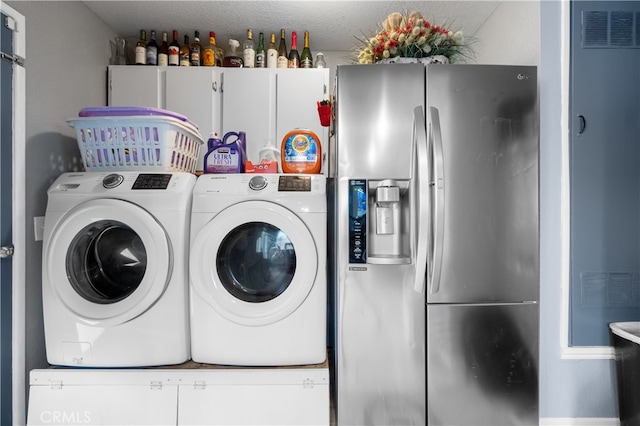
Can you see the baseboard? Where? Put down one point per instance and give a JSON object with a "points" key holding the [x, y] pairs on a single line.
{"points": [[580, 421]]}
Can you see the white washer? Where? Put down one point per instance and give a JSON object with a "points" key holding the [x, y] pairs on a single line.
{"points": [[115, 274], [258, 270]]}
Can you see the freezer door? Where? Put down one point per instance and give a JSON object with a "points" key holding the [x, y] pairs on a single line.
{"points": [[374, 116], [482, 364], [483, 122]]}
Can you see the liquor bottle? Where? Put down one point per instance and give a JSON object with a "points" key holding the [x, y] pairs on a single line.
{"points": [[185, 53], [152, 50], [196, 50], [261, 57], [272, 53], [248, 50], [306, 60], [163, 51], [209, 52], [294, 56], [174, 50], [219, 56], [232, 59], [283, 57], [141, 49], [320, 63]]}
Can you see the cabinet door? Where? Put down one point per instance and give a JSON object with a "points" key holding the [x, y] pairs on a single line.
{"points": [[103, 405], [136, 86], [299, 92], [248, 105], [196, 93], [253, 404]]}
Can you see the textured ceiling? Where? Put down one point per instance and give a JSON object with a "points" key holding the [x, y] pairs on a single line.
{"points": [[333, 25]]}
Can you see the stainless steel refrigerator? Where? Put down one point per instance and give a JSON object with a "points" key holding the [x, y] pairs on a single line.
{"points": [[436, 245]]}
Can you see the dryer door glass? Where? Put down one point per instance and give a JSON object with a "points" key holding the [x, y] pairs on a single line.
{"points": [[106, 262], [256, 262]]}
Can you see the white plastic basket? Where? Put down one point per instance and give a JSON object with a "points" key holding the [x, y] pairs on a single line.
{"points": [[137, 143]]}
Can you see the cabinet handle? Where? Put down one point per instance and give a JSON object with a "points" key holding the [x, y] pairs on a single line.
{"points": [[214, 86], [583, 124]]}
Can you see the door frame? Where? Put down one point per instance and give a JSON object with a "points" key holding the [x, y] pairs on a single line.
{"points": [[566, 350], [19, 375]]}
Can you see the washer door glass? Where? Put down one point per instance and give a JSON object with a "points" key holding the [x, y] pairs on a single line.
{"points": [[106, 261], [254, 263]]}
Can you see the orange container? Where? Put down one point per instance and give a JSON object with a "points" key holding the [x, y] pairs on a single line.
{"points": [[301, 152]]}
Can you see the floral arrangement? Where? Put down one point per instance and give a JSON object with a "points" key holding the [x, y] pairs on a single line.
{"points": [[412, 36]]}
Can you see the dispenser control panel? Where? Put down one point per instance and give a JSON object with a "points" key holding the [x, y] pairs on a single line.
{"points": [[358, 221]]}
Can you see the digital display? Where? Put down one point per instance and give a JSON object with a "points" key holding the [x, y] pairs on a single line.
{"points": [[294, 183], [152, 181]]}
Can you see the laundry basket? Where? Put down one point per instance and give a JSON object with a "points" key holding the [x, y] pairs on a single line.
{"points": [[137, 142]]}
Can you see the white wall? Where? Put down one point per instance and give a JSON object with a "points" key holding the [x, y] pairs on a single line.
{"points": [[511, 35], [67, 53]]}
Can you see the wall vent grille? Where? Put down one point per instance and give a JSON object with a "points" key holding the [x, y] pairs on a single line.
{"points": [[610, 29]]}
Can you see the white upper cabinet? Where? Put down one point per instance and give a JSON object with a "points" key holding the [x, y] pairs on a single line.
{"points": [[196, 94], [136, 86], [266, 104], [249, 105]]}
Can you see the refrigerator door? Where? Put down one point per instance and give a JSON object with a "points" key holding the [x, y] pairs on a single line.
{"points": [[380, 368], [482, 364], [484, 183]]}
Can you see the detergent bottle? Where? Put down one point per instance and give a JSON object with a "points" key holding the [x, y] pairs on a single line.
{"points": [[212, 143], [301, 152], [269, 152], [226, 156]]}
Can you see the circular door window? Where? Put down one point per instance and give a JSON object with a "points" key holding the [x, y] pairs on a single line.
{"points": [[254, 263], [107, 261]]}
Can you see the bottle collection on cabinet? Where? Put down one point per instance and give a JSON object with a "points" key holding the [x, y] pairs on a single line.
{"points": [[206, 52]]}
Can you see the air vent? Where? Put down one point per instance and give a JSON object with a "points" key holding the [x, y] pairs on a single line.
{"points": [[610, 29]]}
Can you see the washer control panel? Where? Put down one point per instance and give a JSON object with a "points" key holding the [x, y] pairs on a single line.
{"points": [[286, 183], [261, 185], [169, 184]]}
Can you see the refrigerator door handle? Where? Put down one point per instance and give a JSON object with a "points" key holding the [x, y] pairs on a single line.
{"points": [[437, 202], [422, 207]]}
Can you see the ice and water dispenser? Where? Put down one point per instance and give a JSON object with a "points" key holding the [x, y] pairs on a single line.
{"points": [[379, 213]]}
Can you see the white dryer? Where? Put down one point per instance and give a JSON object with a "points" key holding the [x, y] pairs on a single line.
{"points": [[115, 269], [258, 270]]}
